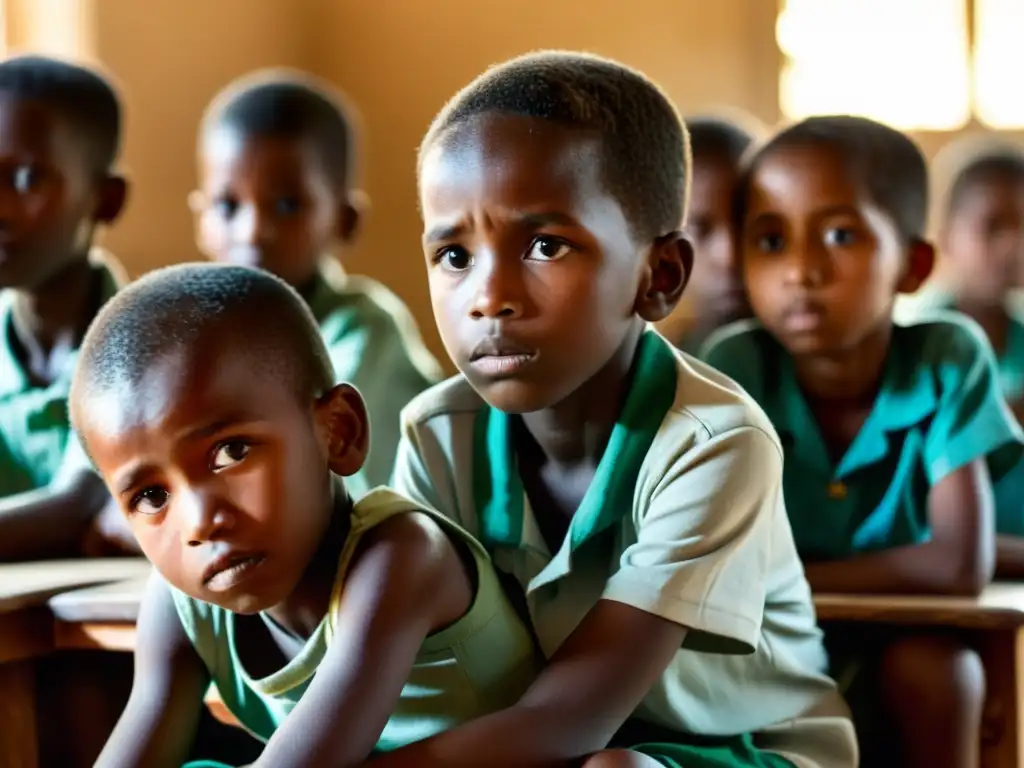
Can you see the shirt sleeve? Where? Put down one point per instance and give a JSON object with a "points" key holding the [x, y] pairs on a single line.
{"points": [[373, 358], [421, 471], [704, 543], [972, 420]]}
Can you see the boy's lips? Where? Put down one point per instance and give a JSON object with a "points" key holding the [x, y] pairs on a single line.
{"points": [[499, 356], [230, 568], [803, 316]]}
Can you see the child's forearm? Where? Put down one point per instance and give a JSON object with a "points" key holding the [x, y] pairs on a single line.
{"points": [[1009, 557], [49, 522], [920, 569]]}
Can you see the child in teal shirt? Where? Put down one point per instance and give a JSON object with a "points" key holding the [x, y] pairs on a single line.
{"points": [[891, 433], [205, 394], [981, 237], [277, 154], [58, 147]]}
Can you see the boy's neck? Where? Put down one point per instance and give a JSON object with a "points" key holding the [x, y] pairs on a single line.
{"points": [[52, 318], [305, 608], [851, 377], [577, 429]]}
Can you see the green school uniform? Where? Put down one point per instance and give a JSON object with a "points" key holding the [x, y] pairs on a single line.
{"points": [[481, 663], [939, 408], [34, 422], [375, 346], [1009, 489], [684, 519]]}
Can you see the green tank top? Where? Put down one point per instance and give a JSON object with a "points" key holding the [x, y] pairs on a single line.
{"points": [[480, 664]]}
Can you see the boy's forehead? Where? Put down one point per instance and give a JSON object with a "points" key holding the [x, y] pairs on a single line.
{"points": [[807, 174], [230, 150], [184, 385], [30, 127], [521, 160]]}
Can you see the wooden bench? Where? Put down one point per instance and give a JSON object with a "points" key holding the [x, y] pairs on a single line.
{"points": [[27, 633], [994, 622]]}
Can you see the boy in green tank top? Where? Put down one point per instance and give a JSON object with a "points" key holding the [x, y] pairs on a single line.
{"points": [[205, 395]]}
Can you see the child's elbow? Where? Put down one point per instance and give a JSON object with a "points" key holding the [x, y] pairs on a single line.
{"points": [[973, 575]]}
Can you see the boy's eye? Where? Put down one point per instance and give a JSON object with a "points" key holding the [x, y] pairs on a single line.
{"points": [[839, 236], [228, 453], [287, 206], [454, 258], [771, 242], [149, 501], [225, 207], [548, 249], [25, 178]]}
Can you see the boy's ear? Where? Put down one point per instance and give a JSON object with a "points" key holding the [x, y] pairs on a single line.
{"points": [[351, 213], [668, 270], [343, 428], [920, 263], [113, 194]]}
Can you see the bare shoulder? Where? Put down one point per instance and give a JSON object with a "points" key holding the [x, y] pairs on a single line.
{"points": [[413, 535], [415, 556]]}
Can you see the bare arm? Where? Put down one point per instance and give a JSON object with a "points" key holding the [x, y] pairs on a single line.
{"points": [[50, 522], [1010, 557], [588, 690], [159, 724], [958, 560], [408, 580]]}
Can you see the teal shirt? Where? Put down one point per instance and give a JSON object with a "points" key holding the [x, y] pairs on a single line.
{"points": [[939, 408], [1009, 489], [375, 346], [34, 423]]}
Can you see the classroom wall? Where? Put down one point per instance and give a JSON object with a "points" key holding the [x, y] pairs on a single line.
{"points": [[398, 61]]}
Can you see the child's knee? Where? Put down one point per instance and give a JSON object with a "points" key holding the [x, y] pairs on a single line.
{"points": [[620, 758], [933, 673]]}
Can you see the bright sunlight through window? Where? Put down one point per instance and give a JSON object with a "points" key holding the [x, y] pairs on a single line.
{"points": [[903, 62], [999, 62]]}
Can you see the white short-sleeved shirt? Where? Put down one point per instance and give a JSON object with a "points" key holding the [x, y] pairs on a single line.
{"points": [[684, 519]]}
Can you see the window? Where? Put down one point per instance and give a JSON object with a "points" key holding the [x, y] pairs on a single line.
{"points": [[999, 62], [908, 63]]}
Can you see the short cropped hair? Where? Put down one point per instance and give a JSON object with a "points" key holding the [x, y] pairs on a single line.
{"points": [[293, 106], [889, 164], [718, 138], [83, 98], [644, 147], [971, 162], [180, 309]]}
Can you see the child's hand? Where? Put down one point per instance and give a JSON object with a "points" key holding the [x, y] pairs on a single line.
{"points": [[109, 535]]}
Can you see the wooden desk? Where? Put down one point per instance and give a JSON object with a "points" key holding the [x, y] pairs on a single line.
{"points": [[26, 632], [98, 617], [994, 623], [104, 617]]}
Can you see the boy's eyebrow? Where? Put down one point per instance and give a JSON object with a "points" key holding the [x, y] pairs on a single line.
{"points": [[213, 427], [133, 478], [529, 220], [444, 232]]}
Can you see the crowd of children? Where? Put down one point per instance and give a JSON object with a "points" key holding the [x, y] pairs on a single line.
{"points": [[602, 540]]}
